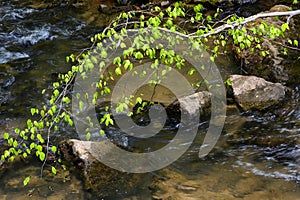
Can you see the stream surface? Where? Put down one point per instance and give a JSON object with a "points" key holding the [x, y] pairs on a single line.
{"points": [[255, 158]]}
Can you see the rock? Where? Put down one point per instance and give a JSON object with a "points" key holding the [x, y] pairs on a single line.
{"points": [[100, 179], [254, 93], [271, 67], [104, 8], [164, 3], [202, 97]]}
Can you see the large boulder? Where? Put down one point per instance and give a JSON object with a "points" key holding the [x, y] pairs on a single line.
{"points": [[254, 93], [272, 66], [100, 179]]}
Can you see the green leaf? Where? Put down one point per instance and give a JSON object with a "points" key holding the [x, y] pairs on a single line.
{"points": [[17, 131], [138, 55], [42, 156], [26, 180], [53, 170], [223, 42], [6, 136], [11, 159], [118, 71], [39, 148], [66, 100], [240, 38], [54, 149], [40, 138], [247, 42], [242, 45], [10, 141], [191, 71], [6, 153], [123, 45], [263, 53], [81, 105], [285, 27], [88, 136], [117, 60], [228, 82], [55, 93], [15, 144], [103, 54], [139, 100], [28, 151], [55, 84], [42, 113], [32, 110], [32, 145], [102, 132], [29, 124], [126, 64]]}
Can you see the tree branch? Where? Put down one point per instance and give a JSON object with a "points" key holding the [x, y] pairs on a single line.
{"points": [[232, 25]]}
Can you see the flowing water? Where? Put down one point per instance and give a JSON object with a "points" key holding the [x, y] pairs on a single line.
{"points": [[256, 157]]}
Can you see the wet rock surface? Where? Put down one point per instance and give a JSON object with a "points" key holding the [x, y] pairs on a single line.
{"points": [[254, 93]]}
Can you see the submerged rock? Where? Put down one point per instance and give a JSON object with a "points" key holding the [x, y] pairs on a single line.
{"points": [[254, 93], [173, 185]]}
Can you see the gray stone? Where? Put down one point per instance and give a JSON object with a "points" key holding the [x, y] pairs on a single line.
{"points": [[203, 98], [100, 179], [104, 8], [254, 93], [164, 3]]}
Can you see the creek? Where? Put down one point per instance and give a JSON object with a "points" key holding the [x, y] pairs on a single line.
{"points": [[256, 156]]}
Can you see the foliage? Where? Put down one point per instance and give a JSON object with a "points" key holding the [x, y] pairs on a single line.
{"points": [[210, 32]]}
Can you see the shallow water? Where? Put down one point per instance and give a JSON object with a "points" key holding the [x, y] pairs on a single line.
{"points": [[256, 157]]}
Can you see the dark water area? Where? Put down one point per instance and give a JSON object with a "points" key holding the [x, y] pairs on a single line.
{"points": [[256, 156], [35, 43]]}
